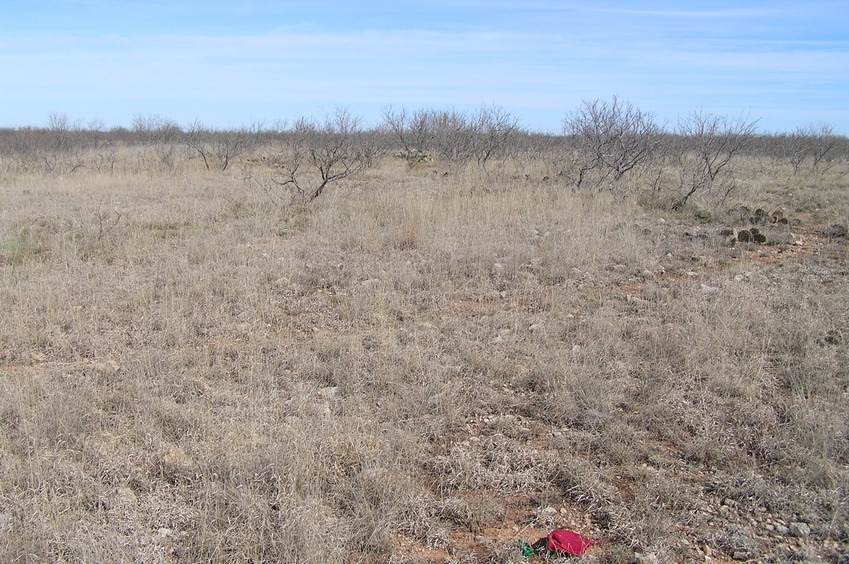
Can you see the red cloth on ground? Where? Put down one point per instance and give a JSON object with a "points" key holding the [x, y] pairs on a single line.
{"points": [[569, 542]]}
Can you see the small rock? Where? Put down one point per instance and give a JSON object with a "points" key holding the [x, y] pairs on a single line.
{"points": [[808, 518], [330, 392], [833, 337], [650, 558], [799, 529], [106, 368], [837, 231], [547, 516], [125, 496]]}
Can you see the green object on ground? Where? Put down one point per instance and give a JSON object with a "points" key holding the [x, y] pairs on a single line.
{"points": [[526, 549]]}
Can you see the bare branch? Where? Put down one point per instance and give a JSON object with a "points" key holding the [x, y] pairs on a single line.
{"points": [[313, 155], [711, 143], [612, 137]]}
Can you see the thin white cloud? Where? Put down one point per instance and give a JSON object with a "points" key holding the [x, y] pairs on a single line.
{"points": [[725, 14], [538, 54]]}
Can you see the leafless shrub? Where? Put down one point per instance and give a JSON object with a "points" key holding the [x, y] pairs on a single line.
{"points": [[496, 132], [483, 136], [709, 145], [60, 147], [105, 157], [106, 223], [154, 129], [313, 155], [160, 136], [814, 143], [454, 136], [609, 137], [18, 150], [479, 137], [538, 156], [221, 146], [413, 130], [102, 148]]}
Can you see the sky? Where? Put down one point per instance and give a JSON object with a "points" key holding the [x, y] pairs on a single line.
{"points": [[233, 63]]}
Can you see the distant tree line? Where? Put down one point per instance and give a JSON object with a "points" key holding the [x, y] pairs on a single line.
{"points": [[603, 144]]}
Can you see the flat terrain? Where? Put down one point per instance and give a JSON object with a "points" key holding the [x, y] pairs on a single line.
{"points": [[421, 365]]}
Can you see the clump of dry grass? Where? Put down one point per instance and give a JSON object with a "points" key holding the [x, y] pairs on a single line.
{"points": [[190, 373]]}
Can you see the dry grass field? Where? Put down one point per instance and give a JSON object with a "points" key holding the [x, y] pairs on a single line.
{"points": [[420, 366]]}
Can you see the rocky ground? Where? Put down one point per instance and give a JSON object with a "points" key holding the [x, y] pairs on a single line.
{"points": [[717, 528]]}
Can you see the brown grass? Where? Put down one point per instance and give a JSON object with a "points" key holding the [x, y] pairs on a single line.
{"points": [[415, 368]]}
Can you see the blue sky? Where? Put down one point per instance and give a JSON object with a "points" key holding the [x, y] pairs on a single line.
{"points": [[229, 63]]}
